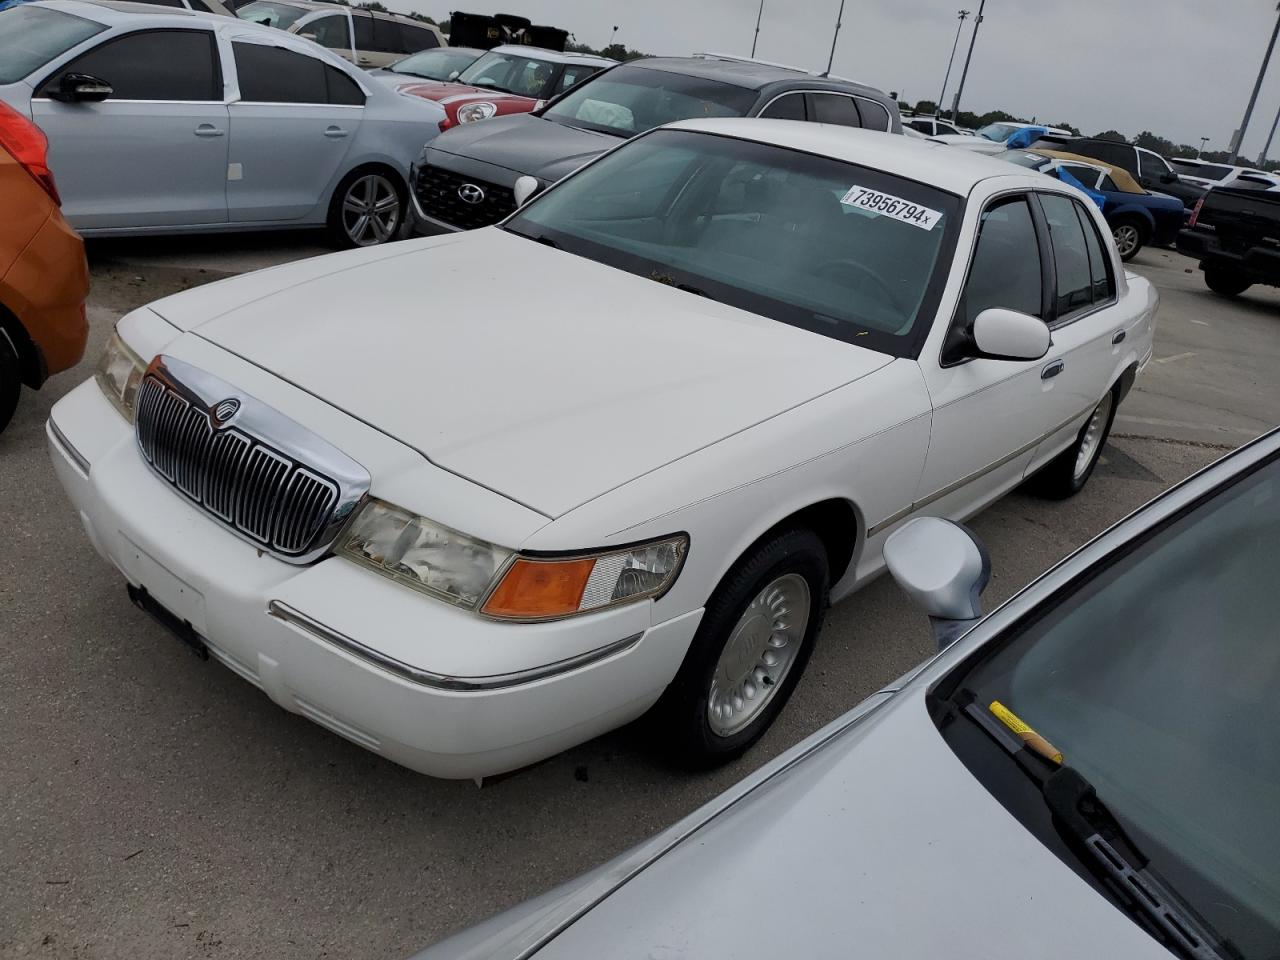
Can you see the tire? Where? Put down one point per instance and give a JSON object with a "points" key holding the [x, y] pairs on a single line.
{"points": [[368, 208], [777, 575], [1225, 281], [10, 380], [1066, 474], [1130, 236]]}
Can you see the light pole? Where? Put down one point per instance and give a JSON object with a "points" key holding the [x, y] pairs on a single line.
{"points": [[756, 38], [612, 35], [942, 97], [1203, 141], [973, 38], [1253, 97], [1262, 157], [832, 59]]}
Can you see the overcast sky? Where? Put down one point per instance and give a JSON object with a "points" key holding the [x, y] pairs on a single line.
{"points": [[1180, 68]]}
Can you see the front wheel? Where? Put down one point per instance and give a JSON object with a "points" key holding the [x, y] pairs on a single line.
{"points": [[367, 209], [1225, 281], [1067, 473], [10, 381], [1129, 239], [752, 646]]}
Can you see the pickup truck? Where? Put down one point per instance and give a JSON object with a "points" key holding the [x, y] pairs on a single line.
{"points": [[1235, 234]]}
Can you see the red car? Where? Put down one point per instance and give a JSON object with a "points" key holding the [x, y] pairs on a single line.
{"points": [[507, 79]]}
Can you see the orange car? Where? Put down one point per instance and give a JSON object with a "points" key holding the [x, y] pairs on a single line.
{"points": [[43, 274]]}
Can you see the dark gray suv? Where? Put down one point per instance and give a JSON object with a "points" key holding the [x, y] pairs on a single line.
{"points": [[465, 177]]}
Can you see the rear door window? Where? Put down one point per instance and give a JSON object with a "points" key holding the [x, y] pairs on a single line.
{"points": [[363, 24], [1070, 255], [386, 36], [1104, 287], [1086, 175], [834, 108], [276, 75], [153, 65], [413, 39], [787, 107], [331, 31]]}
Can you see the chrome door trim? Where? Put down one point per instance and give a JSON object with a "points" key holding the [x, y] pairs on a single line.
{"points": [[441, 681]]}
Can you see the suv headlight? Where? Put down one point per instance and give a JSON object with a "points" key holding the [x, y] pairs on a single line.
{"points": [[471, 112], [498, 582], [119, 373]]}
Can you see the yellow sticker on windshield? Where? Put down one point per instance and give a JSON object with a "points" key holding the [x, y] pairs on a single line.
{"points": [[887, 205]]}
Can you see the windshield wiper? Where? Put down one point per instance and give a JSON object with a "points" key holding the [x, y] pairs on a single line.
{"points": [[1085, 821], [541, 238]]}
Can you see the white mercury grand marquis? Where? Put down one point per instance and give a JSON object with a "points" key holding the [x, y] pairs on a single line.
{"points": [[471, 500]]}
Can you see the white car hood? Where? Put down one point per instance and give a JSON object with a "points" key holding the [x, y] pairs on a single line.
{"points": [[541, 375], [879, 845], [973, 144]]}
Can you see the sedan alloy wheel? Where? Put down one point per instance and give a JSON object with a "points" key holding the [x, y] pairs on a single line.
{"points": [[370, 210]]}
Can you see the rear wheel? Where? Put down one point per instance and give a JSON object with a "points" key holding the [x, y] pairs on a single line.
{"points": [[752, 646], [10, 380], [367, 209], [1129, 236], [1067, 473], [1225, 281]]}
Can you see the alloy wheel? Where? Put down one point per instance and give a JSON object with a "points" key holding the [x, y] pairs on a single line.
{"points": [[759, 654], [371, 210], [1127, 239], [1091, 442]]}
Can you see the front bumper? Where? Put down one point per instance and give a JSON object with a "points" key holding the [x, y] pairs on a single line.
{"points": [[336, 643]]}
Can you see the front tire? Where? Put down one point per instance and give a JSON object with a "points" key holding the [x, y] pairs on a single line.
{"points": [[1067, 473], [367, 209], [1225, 281], [10, 381], [1130, 237], [752, 645]]}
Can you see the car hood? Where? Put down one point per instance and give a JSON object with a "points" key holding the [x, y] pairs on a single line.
{"points": [[1164, 200], [878, 844], [451, 93], [541, 375], [526, 144]]}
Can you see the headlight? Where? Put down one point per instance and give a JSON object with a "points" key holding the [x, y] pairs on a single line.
{"points": [[471, 112], [474, 574], [534, 588], [119, 372]]}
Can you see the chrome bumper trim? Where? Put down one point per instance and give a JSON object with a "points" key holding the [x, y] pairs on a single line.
{"points": [[440, 681], [60, 439]]}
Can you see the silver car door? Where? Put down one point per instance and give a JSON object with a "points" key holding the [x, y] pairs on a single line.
{"points": [[154, 152], [291, 129]]}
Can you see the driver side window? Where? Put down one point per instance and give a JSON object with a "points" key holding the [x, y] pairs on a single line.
{"points": [[170, 65]]}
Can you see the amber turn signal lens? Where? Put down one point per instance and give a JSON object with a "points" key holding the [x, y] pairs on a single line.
{"points": [[534, 589]]}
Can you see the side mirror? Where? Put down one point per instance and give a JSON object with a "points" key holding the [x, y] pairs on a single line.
{"points": [[81, 88], [526, 186], [943, 568], [1001, 334]]}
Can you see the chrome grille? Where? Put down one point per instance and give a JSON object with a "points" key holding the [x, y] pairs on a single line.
{"points": [[270, 497]]}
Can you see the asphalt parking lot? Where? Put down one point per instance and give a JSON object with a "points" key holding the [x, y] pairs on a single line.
{"points": [[158, 806]]}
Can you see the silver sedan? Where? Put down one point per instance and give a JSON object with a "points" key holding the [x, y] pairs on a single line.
{"points": [[181, 122]]}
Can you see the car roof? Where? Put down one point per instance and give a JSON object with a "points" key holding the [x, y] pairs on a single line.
{"points": [[744, 72], [925, 161], [550, 56], [1121, 177], [113, 12]]}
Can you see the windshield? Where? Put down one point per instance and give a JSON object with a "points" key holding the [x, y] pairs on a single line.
{"points": [[280, 15], [434, 64], [32, 36], [630, 100], [1024, 159], [841, 250], [511, 74], [1158, 682], [999, 132]]}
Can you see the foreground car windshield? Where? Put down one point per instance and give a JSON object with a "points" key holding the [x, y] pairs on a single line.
{"points": [[32, 36], [510, 74], [1158, 682], [831, 247], [630, 100], [433, 64], [280, 15], [999, 132]]}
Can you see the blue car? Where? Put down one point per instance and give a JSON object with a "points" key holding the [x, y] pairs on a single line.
{"points": [[1136, 216]]}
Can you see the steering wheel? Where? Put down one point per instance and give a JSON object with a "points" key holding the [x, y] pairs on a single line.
{"points": [[839, 269]]}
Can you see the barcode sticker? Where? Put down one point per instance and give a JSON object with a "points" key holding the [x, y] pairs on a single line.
{"points": [[887, 205]]}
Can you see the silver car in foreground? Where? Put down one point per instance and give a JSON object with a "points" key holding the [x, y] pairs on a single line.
{"points": [[1090, 772], [170, 121]]}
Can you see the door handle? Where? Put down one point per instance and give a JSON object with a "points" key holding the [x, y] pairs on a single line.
{"points": [[1119, 337], [1051, 370], [208, 130], [335, 133]]}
